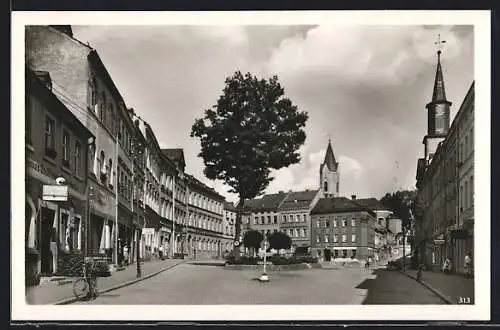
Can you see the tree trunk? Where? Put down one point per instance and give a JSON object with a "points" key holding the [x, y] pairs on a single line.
{"points": [[237, 229]]}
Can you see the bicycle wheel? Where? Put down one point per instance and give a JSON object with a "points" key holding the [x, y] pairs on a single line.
{"points": [[81, 288]]}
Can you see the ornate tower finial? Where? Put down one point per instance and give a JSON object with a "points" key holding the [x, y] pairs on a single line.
{"points": [[439, 44]]}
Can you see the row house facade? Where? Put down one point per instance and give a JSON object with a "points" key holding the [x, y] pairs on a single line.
{"points": [[78, 81], [295, 217], [445, 177], [446, 193], [57, 145], [264, 213], [341, 228], [203, 236], [228, 225]]}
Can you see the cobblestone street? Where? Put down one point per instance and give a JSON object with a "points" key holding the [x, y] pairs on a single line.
{"points": [[188, 284]]}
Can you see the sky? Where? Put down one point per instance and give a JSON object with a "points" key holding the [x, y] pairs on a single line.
{"points": [[365, 87]]}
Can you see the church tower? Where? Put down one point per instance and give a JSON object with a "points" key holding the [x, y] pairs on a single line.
{"points": [[438, 114], [329, 174]]}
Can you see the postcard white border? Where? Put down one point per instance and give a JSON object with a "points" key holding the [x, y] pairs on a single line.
{"points": [[480, 311]]}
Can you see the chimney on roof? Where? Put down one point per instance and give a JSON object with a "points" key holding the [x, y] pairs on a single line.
{"points": [[353, 197]]}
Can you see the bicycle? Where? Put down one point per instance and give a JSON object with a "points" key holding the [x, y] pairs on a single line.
{"points": [[86, 286]]}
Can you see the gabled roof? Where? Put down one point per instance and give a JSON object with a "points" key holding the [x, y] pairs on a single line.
{"points": [[266, 203], [371, 203], [330, 161], [176, 155], [298, 200], [338, 205]]}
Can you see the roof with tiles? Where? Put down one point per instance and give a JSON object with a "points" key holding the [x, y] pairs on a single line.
{"points": [[338, 205], [298, 200], [371, 203], [266, 203]]}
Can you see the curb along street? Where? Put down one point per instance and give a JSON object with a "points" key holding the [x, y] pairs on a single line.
{"points": [[438, 293], [121, 285]]}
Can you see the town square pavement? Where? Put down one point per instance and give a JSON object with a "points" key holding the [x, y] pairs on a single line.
{"points": [[188, 284]]}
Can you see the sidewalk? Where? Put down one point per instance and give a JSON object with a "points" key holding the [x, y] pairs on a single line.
{"points": [[53, 293], [451, 288]]}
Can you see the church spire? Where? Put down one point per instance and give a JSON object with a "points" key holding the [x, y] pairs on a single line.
{"points": [[439, 93], [330, 161], [438, 116]]}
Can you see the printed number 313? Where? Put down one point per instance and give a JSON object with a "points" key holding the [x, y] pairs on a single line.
{"points": [[464, 300]]}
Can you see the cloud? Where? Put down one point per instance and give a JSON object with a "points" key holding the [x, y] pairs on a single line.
{"points": [[366, 86]]}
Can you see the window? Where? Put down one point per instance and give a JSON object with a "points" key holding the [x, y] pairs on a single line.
{"points": [[317, 224], [65, 230], [334, 238], [466, 146], [327, 223], [334, 223], [76, 231], [49, 137], [326, 238], [461, 198], [65, 147], [297, 218], [262, 220], [344, 238], [28, 113], [344, 223], [102, 110], [353, 254], [344, 253], [317, 239], [353, 238], [466, 195], [471, 190], [305, 217], [255, 219], [325, 186], [335, 253], [78, 158], [304, 232], [268, 219], [284, 217], [461, 156], [353, 223]]}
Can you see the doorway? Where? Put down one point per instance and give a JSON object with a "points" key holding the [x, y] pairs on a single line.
{"points": [[47, 235], [328, 255]]}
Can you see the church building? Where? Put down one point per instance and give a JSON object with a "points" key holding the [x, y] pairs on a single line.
{"points": [[329, 174]]}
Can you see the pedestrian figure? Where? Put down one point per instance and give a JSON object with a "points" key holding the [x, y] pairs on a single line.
{"points": [[419, 272], [367, 263], [160, 252], [447, 266], [468, 265], [125, 254]]}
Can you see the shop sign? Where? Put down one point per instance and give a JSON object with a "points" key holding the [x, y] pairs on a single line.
{"points": [[40, 172], [148, 231], [55, 193], [439, 241]]}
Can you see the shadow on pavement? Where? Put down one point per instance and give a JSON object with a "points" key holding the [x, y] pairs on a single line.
{"points": [[391, 288]]}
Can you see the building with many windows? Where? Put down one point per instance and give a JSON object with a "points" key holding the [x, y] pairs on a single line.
{"points": [[445, 177], [341, 228], [56, 146], [228, 226], [295, 220], [264, 213], [203, 235]]}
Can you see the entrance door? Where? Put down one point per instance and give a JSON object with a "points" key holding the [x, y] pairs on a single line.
{"points": [[328, 255], [47, 233]]}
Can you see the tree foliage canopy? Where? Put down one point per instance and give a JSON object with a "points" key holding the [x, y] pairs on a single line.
{"points": [[251, 130], [252, 239], [402, 204], [279, 240]]}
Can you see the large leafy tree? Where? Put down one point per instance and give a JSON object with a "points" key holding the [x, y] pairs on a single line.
{"points": [[252, 130], [279, 241], [252, 239]]}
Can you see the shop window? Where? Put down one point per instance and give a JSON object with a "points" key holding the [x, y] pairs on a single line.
{"points": [[344, 253], [353, 254], [65, 238], [335, 253]]}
